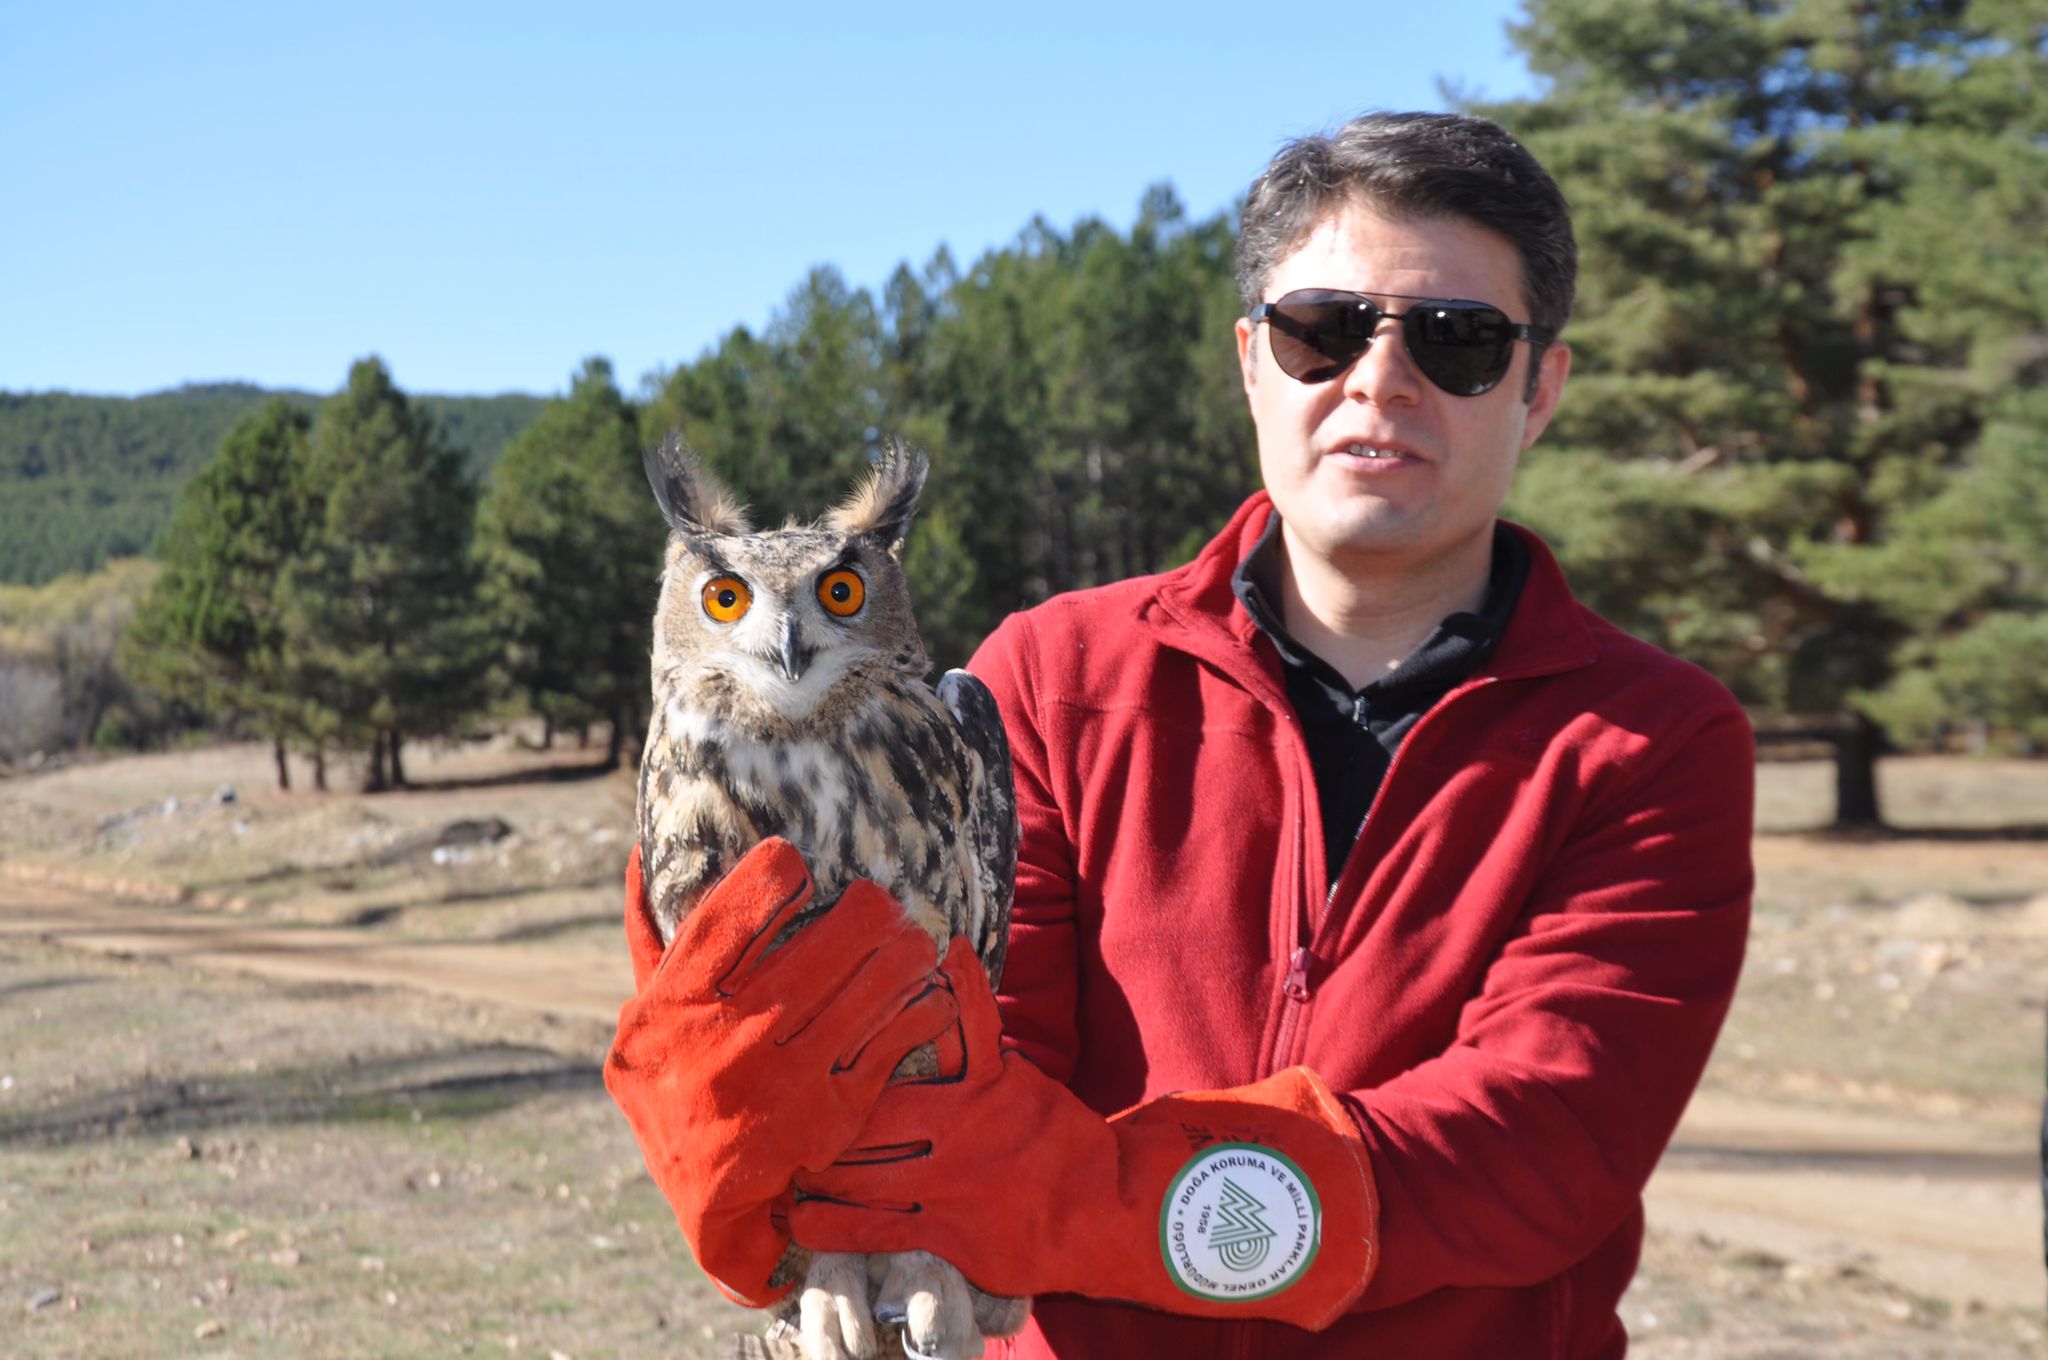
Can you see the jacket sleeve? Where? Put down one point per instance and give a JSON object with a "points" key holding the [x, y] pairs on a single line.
{"points": [[1041, 976], [1509, 1156]]}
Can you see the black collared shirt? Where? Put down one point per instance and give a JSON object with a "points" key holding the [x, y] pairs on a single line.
{"points": [[1353, 733]]}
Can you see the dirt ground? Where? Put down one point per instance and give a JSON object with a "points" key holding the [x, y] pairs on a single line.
{"points": [[305, 1075]]}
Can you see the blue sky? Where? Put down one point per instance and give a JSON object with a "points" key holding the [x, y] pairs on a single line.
{"points": [[486, 194]]}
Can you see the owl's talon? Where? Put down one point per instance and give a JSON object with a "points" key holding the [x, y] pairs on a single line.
{"points": [[934, 1305], [834, 1320]]}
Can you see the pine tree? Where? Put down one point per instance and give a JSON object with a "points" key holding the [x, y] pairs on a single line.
{"points": [[1809, 341], [570, 544], [787, 420], [1085, 393], [210, 632], [380, 609]]}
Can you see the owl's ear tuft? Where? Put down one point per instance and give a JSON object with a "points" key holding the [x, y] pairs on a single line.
{"points": [[881, 506], [691, 499]]}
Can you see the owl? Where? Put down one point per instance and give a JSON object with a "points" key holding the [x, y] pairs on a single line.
{"points": [[789, 701]]}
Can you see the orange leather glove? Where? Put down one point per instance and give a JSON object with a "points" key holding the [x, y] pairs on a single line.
{"points": [[1252, 1202], [736, 1066]]}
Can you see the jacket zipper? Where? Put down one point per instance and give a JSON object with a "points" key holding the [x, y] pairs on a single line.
{"points": [[1299, 986], [1298, 970]]}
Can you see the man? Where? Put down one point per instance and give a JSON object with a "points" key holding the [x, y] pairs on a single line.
{"points": [[1377, 905]]}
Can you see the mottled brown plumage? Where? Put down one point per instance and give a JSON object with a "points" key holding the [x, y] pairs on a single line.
{"points": [[789, 700]]}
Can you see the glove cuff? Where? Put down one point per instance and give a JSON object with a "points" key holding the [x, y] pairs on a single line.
{"points": [[1256, 1201], [1253, 1202]]}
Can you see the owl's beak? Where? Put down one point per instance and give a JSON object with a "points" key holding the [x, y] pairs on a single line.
{"points": [[792, 658]]}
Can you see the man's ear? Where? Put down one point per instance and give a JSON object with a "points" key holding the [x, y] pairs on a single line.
{"points": [[1552, 369], [1247, 353]]}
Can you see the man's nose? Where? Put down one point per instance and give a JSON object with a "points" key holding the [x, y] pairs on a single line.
{"points": [[1384, 373]]}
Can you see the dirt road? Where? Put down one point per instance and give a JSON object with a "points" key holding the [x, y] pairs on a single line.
{"points": [[1947, 1209], [1943, 1206], [570, 982]]}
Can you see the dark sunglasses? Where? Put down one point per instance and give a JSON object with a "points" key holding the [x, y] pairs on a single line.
{"points": [[1463, 347]]}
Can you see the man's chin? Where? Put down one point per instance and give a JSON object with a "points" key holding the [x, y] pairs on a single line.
{"points": [[1369, 531], [1388, 541]]}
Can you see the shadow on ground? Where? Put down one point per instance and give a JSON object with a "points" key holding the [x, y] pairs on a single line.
{"points": [[547, 930], [448, 1084], [347, 878], [546, 774], [1953, 835], [48, 984], [1928, 1163]]}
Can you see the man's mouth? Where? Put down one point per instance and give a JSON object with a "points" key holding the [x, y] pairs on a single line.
{"points": [[1376, 453]]}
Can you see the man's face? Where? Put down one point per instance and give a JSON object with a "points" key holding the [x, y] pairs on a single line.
{"points": [[1446, 460]]}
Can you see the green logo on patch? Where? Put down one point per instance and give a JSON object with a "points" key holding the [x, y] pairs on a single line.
{"points": [[1240, 1236], [1240, 1222]]}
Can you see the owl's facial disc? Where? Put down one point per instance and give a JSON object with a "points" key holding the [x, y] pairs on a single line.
{"points": [[778, 623]]}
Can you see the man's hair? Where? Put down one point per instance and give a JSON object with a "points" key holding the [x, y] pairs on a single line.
{"points": [[1413, 167]]}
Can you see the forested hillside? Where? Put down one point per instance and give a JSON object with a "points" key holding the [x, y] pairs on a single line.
{"points": [[85, 479]]}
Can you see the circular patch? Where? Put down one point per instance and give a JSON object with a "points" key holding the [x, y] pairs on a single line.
{"points": [[1240, 1221]]}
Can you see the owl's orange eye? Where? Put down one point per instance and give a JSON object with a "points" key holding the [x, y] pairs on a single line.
{"points": [[726, 598], [842, 593]]}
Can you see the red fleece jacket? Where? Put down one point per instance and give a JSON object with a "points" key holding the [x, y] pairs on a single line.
{"points": [[1515, 982]]}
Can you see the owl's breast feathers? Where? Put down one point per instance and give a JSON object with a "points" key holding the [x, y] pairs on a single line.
{"points": [[888, 791]]}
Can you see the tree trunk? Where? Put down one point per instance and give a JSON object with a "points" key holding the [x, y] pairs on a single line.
{"points": [[395, 741], [284, 770], [547, 733], [2044, 1173], [1856, 748], [373, 773], [616, 742], [320, 768]]}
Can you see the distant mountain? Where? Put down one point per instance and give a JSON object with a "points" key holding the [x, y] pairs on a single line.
{"points": [[83, 479]]}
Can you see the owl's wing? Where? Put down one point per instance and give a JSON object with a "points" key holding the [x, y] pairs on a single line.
{"points": [[991, 829]]}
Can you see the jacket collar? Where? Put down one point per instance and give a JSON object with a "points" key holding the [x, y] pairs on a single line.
{"points": [[1198, 610]]}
